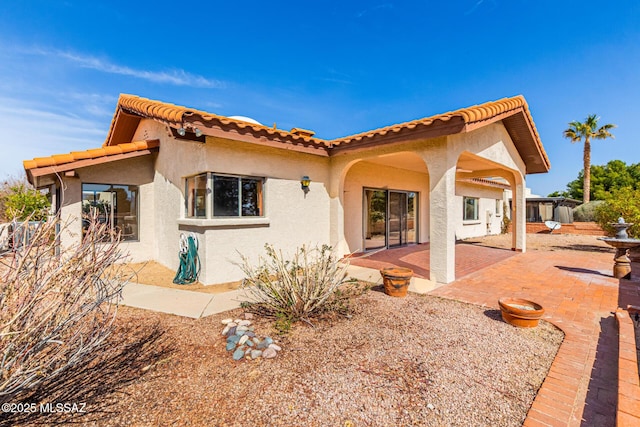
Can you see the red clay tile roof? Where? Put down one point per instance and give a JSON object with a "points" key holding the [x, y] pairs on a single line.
{"points": [[177, 116], [130, 109], [469, 115], [506, 109], [487, 182], [95, 153]]}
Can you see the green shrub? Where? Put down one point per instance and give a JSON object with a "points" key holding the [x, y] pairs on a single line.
{"points": [[586, 212], [625, 203], [22, 203], [301, 288]]}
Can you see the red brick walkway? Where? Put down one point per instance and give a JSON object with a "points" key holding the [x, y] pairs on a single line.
{"points": [[579, 295], [469, 258]]}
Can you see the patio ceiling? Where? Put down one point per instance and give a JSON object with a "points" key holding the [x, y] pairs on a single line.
{"points": [[467, 163], [404, 160]]}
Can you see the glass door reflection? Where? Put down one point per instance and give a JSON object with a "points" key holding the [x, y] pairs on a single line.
{"points": [[375, 219], [397, 218]]}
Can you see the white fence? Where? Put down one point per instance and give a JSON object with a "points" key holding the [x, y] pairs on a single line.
{"points": [[14, 235]]}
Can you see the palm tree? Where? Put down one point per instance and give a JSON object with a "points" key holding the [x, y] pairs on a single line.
{"points": [[588, 130]]}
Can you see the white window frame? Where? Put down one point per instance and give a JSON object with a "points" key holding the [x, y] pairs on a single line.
{"points": [[210, 197], [476, 210]]}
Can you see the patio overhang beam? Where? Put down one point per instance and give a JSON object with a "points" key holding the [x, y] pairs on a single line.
{"points": [[522, 134], [436, 129], [37, 173]]}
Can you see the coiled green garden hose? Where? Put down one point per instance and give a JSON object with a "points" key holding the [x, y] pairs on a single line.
{"points": [[189, 268]]}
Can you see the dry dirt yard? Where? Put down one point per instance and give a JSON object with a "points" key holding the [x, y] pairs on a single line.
{"points": [[546, 242], [414, 361], [418, 361]]}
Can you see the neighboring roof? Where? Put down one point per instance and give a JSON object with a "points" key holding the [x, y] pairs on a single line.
{"points": [[76, 159], [555, 200], [487, 182]]}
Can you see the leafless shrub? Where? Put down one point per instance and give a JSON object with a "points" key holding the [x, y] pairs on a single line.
{"points": [[57, 307], [303, 287], [96, 386]]}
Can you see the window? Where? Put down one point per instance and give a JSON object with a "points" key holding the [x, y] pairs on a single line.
{"points": [[196, 195], [231, 196], [114, 205], [498, 207], [470, 209]]}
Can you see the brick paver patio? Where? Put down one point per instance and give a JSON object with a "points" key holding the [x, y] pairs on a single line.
{"points": [[469, 258], [579, 294]]}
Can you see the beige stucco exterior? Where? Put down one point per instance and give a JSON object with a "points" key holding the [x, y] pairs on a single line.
{"points": [[293, 218], [441, 169]]}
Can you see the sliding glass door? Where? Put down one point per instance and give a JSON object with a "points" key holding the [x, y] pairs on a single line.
{"points": [[390, 218], [375, 221]]}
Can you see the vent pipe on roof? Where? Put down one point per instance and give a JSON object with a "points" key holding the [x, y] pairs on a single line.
{"points": [[303, 132]]}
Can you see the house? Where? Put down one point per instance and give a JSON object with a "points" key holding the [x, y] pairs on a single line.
{"points": [[559, 209], [164, 170]]}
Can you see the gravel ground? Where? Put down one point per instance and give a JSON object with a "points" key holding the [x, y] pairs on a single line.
{"points": [[414, 361], [546, 242], [419, 360]]}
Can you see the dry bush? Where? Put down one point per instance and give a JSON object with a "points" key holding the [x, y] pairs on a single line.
{"points": [[96, 385], [55, 308], [57, 311], [306, 286]]}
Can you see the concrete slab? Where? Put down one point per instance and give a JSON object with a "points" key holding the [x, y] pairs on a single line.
{"points": [[200, 304], [224, 302], [364, 273], [422, 286], [175, 301], [165, 300]]}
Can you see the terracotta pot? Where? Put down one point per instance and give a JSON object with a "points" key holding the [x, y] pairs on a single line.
{"points": [[520, 312], [396, 280]]}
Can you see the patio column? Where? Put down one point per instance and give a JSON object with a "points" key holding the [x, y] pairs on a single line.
{"points": [[336, 209], [442, 216], [519, 217]]}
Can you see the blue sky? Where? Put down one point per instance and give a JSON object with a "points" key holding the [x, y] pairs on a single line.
{"points": [[335, 67]]}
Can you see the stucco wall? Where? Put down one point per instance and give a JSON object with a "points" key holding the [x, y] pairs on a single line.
{"points": [[373, 175], [291, 217], [486, 224], [136, 171], [492, 143]]}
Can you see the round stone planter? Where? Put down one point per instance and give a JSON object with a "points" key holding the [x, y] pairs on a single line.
{"points": [[520, 312], [396, 280]]}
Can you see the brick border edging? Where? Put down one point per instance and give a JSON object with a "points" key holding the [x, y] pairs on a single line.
{"points": [[628, 409]]}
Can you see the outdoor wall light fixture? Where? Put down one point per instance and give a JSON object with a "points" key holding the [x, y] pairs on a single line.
{"points": [[304, 184], [181, 132], [198, 132]]}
